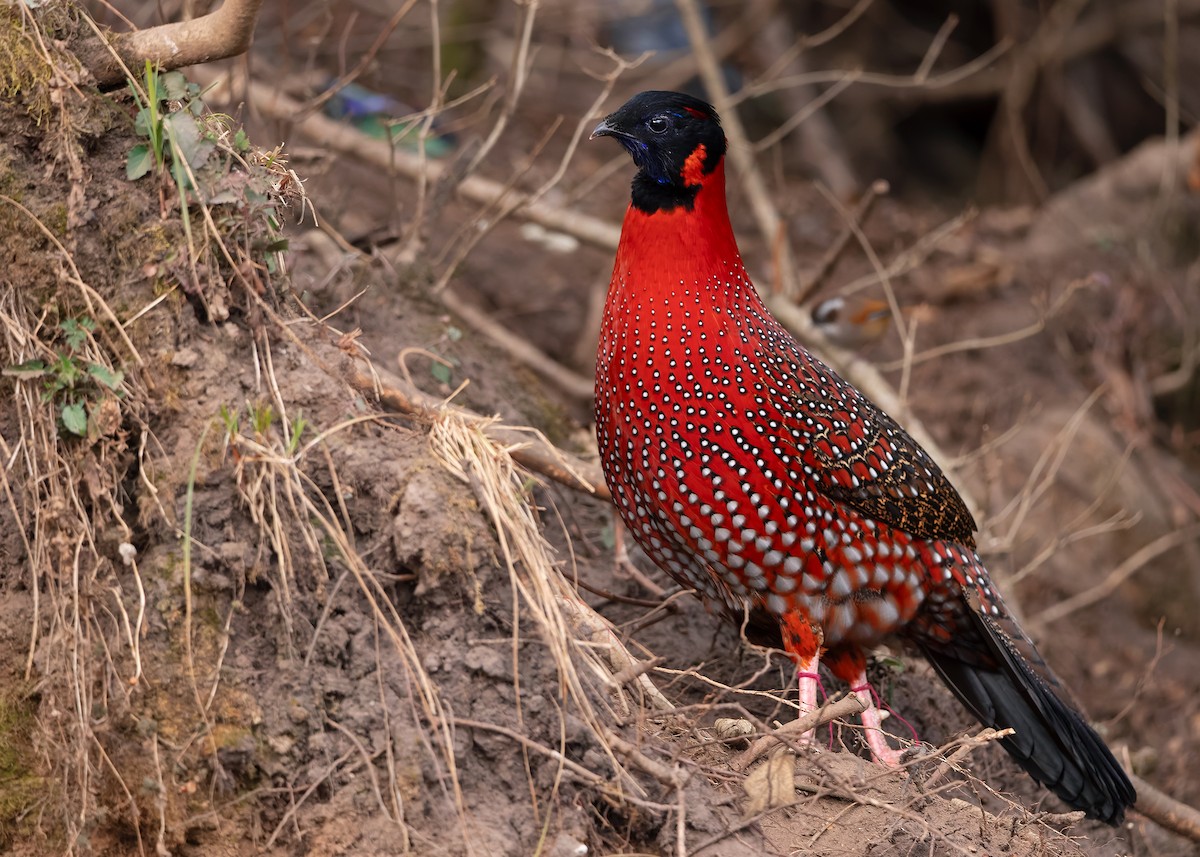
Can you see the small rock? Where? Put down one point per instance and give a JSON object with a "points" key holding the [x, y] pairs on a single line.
{"points": [[281, 744], [185, 358], [488, 661], [566, 845]]}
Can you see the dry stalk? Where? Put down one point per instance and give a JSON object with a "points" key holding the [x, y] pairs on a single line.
{"points": [[73, 635], [267, 463], [541, 594], [1132, 564], [528, 448]]}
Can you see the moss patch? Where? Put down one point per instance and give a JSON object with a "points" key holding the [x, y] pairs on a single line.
{"points": [[20, 785]]}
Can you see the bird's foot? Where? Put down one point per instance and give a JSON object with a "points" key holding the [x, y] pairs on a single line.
{"points": [[881, 751]]}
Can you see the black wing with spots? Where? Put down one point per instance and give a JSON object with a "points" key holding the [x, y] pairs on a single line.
{"points": [[859, 456]]}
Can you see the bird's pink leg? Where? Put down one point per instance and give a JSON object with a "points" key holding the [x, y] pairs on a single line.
{"points": [[881, 751], [806, 672]]}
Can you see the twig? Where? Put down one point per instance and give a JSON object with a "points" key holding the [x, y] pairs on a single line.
{"points": [[908, 83], [741, 150], [950, 763], [731, 37], [1088, 35], [590, 625], [1117, 576], [364, 61], [847, 706], [978, 343], [665, 774], [519, 348], [345, 139], [813, 281]]}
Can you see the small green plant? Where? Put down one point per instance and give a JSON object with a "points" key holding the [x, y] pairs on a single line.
{"points": [[261, 417], [167, 119], [229, 417], [299, 424], [71, 381]]}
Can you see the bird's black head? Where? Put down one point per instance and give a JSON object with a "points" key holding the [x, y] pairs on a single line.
{"points": [[674, 139]]}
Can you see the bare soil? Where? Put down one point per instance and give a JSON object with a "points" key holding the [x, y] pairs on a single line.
{"points": [[246, 644]]}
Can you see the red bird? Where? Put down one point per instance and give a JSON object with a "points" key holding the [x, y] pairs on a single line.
{"points": [[749, 471]]}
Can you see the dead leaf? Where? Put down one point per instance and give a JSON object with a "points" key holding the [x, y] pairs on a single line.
{"points": [[772, 784]]}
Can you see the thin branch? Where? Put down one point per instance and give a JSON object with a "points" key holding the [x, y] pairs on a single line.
{"points": [[1117, 576], [741, 150], [847, 706]]}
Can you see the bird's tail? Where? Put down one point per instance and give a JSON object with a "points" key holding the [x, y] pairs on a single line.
{"points": [[997, 673]]}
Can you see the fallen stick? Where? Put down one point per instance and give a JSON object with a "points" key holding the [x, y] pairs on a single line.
{"points": [[847, 706], [530, 449]]}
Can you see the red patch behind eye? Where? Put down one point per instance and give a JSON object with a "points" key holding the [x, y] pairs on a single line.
{"points": [[693, 167], [699, 114]]}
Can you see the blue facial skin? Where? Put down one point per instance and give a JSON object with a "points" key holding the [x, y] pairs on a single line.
{"points": [[652, 160]]}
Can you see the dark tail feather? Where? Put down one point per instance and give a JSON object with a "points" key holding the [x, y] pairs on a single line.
{"points": [[1052, 741]]}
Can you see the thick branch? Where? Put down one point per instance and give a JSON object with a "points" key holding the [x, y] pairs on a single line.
{"points": [[220, 34]]}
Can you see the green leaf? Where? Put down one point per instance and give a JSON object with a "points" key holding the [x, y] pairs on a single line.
{"points": [[141, 122], [74, 419], [241, 142], [110, 378], [25, 371], [173, 86], [77, 330], [441, 372], [192, 144], [139, 162]]}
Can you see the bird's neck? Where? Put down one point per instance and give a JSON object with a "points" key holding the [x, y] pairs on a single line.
{"points": [[691, 244]]}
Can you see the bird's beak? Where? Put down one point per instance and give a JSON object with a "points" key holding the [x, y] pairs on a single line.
{"points": [[607, 128]]}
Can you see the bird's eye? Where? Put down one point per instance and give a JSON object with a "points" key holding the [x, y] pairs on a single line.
{"points": [[658, 124]]}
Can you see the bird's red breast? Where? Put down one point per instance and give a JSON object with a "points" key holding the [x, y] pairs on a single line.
{"points": [[722, 440]]}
